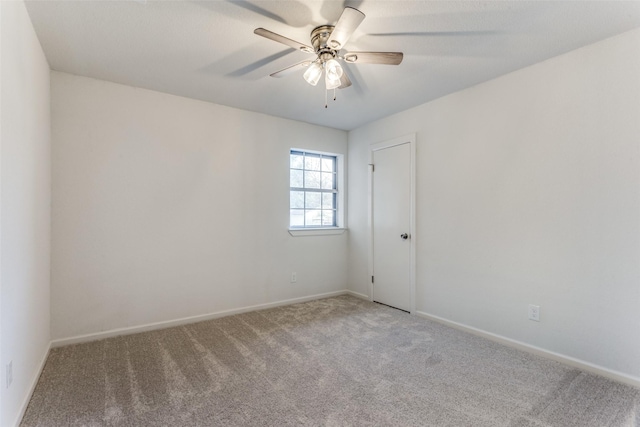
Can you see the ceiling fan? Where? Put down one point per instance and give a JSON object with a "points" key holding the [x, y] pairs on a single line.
{"points": [[327, 42]]}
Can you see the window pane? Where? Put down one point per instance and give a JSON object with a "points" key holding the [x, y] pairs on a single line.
{"points": [[327, 180], [296, 217], [312, 200], [311, 179], [313, 218], [295, 178], [296, 199], [313, 193], [297, 161], [328, 217], [312, 162], [328, 200], [328, 164]]}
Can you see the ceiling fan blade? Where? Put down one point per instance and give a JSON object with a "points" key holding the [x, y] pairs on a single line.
{"points": [[436, 34], [259, 10], [347, 24], [258, 64], [284, 40], [390, 58], [345, 82], [291, 69]]}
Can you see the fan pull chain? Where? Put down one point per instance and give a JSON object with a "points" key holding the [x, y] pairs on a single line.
{"points": [[325, 98], [334, 93]]}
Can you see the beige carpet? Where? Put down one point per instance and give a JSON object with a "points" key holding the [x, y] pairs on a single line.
{"points": [[332, 362]]}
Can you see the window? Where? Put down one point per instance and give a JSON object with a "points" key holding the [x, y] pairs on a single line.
{"points": [[313, 196]]}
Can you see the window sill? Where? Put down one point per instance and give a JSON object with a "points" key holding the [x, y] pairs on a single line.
{"points": [[298, 232]]}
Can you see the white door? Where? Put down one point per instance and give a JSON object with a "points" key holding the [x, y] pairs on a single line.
{"points": [[391, 192]]}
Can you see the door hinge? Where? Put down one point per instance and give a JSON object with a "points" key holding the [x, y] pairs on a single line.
{"points": [[373, 167], [371, 279]]}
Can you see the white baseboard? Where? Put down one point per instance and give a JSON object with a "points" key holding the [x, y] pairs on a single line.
{"points": [[186, 320], [358, 295], [567, 360], [32, 387]]}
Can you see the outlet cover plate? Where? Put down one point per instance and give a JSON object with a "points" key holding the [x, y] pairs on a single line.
{"points": [[534, 312]]}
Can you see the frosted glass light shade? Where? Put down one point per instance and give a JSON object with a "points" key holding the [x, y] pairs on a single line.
{"points": [[334, 70], [331, 84], [313, 74]]}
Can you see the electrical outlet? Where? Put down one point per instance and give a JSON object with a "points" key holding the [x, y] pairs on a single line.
{"points": [[534, 312], [294, 277], [9, 373]]}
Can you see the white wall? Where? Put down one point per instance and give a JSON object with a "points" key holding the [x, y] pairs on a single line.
{"points": [[166, 207], [25, 177], [528, 192]]}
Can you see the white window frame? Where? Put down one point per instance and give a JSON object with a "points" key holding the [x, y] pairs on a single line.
{"points": [[340, 226]]}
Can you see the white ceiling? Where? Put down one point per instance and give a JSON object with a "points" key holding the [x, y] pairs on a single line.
{"points": [[207, 50]]}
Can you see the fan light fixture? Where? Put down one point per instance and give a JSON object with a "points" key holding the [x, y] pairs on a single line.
{"points": [[331, 84], [333, 70], [327, 41], [313, 74], [333, 73]]}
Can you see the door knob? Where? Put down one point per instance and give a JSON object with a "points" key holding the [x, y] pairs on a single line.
{"points": [[404, 236]]}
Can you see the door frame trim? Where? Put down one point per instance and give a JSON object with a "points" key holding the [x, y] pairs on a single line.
{"points": [[405, 139]]}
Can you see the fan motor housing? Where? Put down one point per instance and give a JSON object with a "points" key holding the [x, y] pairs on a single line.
{"points": [[320, 39]]}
